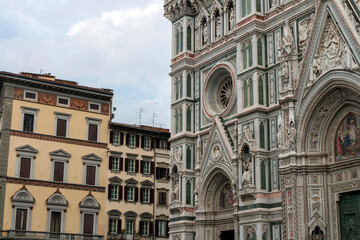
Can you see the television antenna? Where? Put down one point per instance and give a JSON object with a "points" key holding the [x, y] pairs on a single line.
{"points": [[139, 114]]}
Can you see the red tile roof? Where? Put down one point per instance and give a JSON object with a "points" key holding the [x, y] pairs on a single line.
{"points": [[142, 127]]}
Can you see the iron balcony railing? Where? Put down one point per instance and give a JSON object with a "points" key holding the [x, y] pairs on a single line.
{"points": [[16, 234]]}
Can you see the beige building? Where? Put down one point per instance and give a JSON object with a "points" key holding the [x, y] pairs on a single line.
{"points": [[138, 182], [53, 157]]}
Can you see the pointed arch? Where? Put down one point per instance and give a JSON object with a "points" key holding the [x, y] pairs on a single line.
{"points": [[261, 90], [250, 53], [188, 119], [188, 85], [251, 92], [180, 120], [259, 51], [244, 55], [245, 94], [188, 192]]}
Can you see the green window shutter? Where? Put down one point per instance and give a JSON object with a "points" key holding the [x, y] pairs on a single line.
{"points": [[181, 40], [259, 51], [251, 86], [188, 193], [261, 91], [177, 89], [188, 86], [177, 41], [181, 120], [176, 122], [258, 5], [188, 119], [244, 55], [250, 54], [262, 136], [188, 41], [181, 87], [243, 8], [245, 94], [188, 158], [249, 6], [263, 175]]}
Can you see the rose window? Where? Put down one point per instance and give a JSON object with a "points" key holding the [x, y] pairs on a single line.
{"points": [[225, 93]]}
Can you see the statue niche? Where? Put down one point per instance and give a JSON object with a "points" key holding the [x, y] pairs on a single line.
{"points": [[226, 197]]}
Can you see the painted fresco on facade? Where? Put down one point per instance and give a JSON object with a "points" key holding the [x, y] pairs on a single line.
{"points": [[347, 143], [226, 197]]}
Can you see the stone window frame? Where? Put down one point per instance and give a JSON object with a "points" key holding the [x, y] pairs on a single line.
{"points": [[119, 138], [95, 103], [30, 91], [62, 116], [26, 151], [131, 183], [56, 203], [61, 104], [29, 110], [148, 186], [114, 214], [130, 216], [145, 217], [22, 199], [91, 160], [147, 143], [115, 181], [89, 205], [59, 155], [132, 140], [162, 190], [147, 160], [94, 121]]}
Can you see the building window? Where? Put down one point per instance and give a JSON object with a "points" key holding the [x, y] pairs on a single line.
{"points": [[114, 192], [116, 138], [130, 194], [89, 209], [113, 226], [129, 227], [188, 192], [115, 163], [262, 135], [64, 101], [261, 91], [59, 171], [146, 167], [132, 140], [162, 198], [94, 106], [259, 51], [55, 221], [180, 120], [29, 119], [22, 203], [251, 91], [91, 163], [147, 143], [161, 228], [263, 175], [188, 40], [246, 95], [181, 39], [131, 165], [249, 47], [59, 165], [61, 124], [114, 222], [25, 161], [188, 157], [93, 127], [244, 55], [162, 173], [57, 205], [115, 189], [145, 228], [146, 195], [188, 119], [30, 95], [188, 85]]}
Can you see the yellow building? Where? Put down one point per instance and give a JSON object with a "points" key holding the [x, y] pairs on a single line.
{"points": [[138, 182], [53, 157]]}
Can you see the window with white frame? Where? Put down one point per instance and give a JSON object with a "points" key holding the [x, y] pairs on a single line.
{"points": [[145, 224], [25, 161], [62, 124], [145, 229], [146, 195], [113, 225], [131, 191], [22, 205], [115, 163], [56, 205], [161, 228], [130, 194], [89, 209], [147, 142], [94, 106], [29, 115], [116, 138], [93, 129], [30, 95], [130, 218], [114, 222], [91, 163], [131, 165], [146, 192], [114, 192], [59, 165], [63, 101], [146, 167], [132, 140], [115, 189], [129, 227]]}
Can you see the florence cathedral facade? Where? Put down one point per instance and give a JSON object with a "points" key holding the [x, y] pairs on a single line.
{"points": [[265, 140]]}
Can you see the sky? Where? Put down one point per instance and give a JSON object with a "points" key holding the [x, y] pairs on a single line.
{"points": [[123, 45]]}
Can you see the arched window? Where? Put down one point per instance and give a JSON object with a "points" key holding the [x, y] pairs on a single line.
{"points": [[263, 174], [259, 51], [261, 91], [243, 8], [22, 205], [317, 233], [262, 135], [188, 119], [176, 121], [89, 209], [188, 85], [177, 88], [181, 87], [264, 236], [181, 40], [250, 54], [188, 38], [253, 236], [248, 237], [188, 157], [180, 120], [188, 192], [56, 214], [245, 89], [244, 55], [177, 41], [258, 5], [251, 91]]}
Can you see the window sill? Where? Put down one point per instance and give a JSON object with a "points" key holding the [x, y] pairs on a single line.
{"points": [[146, 203], [162, 180], [162, 206], [131, 173], [130, 202], [114, 200], [115, 171]]}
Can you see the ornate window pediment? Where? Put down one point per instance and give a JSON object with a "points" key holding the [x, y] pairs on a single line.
{"points": [[57, 199], [92, 157], [146, 216], [23, 196], [131, 181], [115, 180], [89, 202], [130, 215], [27, 149], [146, 183], [60, 153]]}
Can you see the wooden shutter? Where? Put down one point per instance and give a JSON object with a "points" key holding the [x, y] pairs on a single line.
{"points": [[90, 175], [167, 174], [127, 139], [119, 226], [152, 143], [141, 195], [88, 224], [121, 138], [157, 143], [152, 167], [121, 164], [120, 193], [157, 228], [137, 166], [111, 137], [126, 164], [137, 140], [125, 193], [110, 162], [141, 166], [140, 228], [151, 195], [109, 227], [93, 132], [25, 167], [167, 228], [151, 228], [157, 173], [136, 190], [59, 171], [168, 145], [61, 128], [142, 141], [109, 191], [21, 219]]}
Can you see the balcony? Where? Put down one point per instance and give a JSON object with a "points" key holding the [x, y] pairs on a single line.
{"points": [[14, 234]]}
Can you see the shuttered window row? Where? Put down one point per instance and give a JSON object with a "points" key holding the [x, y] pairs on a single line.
{"points": [[134, 140], [131, 194], [131, 165]]}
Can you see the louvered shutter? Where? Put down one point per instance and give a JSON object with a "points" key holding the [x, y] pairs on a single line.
{"points": [[136, 194], [126, 164], [121, 164], [141, 228], [152, 167], [125, 193], [121, 138], [137, 166], [111, 137], [137, 140], [141, 195], [141, 166], [109, 191], [120, 193], [157, 228], [110, 162], [119, 226], [151, 228], [151, 195], [142, 141]]}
